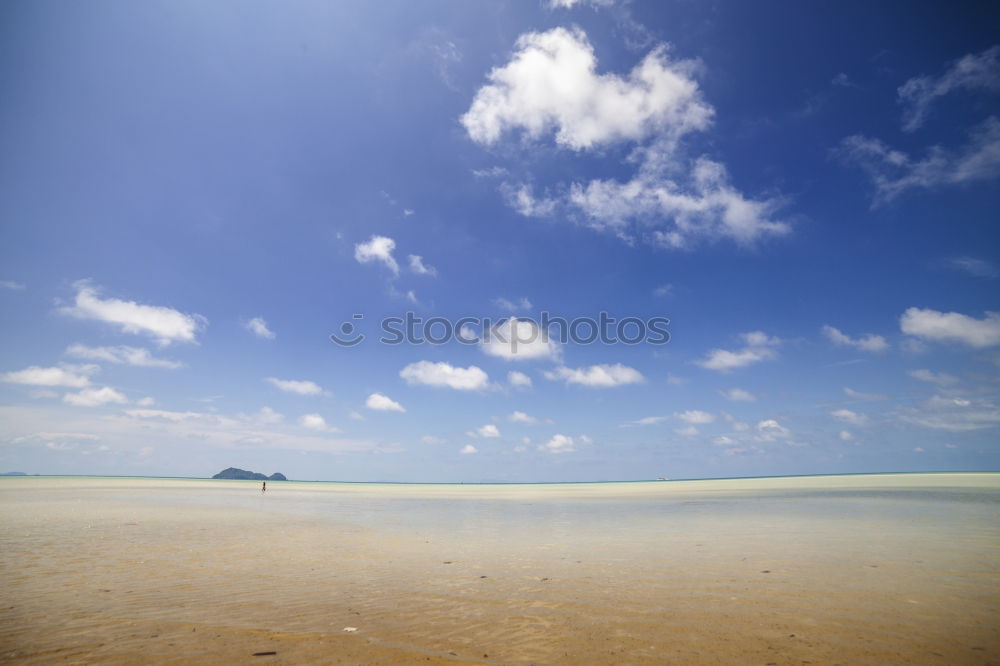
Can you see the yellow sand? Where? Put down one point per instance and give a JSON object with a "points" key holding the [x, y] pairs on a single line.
{"points": [[821, 570]]}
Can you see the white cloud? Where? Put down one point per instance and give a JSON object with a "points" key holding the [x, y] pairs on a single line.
{"points": [[646, 420], [492, 172], [417, 266], [258, 327], [146, 402], [163, 324], [559, 444], [13, 286], [136, 356], [512, 306], [699, 203], [518, 379], [694, 416], [55, 437], [939, 378], [738, 395], [954, 414], [758, 347], [70, 377], [313, 422], [431, 439], [770, 430], [846, 436], [383, 403], [847, 416], [303, 387], [487, 431], [569, 4], [842, 80], [973, 266], [94, 397], [972, 72], [378, 248], [442, 374], [518, 340], [165, 415], [521, 417], [868, 397], [723, 440], [267, 416], [914, 347], [952, 327], [674, 380], [868, 343], [664, 290], [597, 376], [687, 431], [892, 172], [551, 84], [262, 430], [468, 449], [355, 415], [523, 200]]}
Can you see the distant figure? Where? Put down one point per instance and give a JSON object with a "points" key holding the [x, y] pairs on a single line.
{"points": [[263, 487]]}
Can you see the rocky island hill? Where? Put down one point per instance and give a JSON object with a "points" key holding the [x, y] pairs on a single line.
{"points": [[236, 473]]}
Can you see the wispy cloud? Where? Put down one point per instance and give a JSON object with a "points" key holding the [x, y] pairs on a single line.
{"points": [[738, 395], [259, 327], [973, 266], [867, 397], [70, 377], [512, 306], [518, 380], [136, 356], [979, 71], [418, 266], [301, 387], [758, 347], [893, 172], [95, 397], [869, 342], [937, 378]]}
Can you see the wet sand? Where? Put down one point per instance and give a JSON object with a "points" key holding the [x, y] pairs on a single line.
{"points": [[823, 570]]}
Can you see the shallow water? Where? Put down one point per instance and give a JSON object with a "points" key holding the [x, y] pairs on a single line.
{"points": [[846, 569]]}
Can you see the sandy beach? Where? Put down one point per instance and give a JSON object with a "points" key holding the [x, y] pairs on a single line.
{"points": [[871, 569]]}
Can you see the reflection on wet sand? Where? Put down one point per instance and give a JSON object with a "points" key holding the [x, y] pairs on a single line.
{"points": [[822, 570]]}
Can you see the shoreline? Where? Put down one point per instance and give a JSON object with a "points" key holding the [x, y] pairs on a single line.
{"points": [[894, 569]]}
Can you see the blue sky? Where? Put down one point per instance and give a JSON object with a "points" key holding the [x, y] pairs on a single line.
{"points": [[196, 195]]}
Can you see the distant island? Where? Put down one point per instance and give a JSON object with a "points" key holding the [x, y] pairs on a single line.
{"points": [[236, 473], [13, 474]]}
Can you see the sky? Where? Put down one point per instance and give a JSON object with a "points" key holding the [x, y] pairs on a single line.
{"points": [[195, 196]]}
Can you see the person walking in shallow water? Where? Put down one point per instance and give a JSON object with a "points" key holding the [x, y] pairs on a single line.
{"points": [[263, 486]]}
